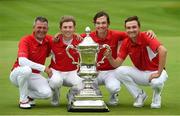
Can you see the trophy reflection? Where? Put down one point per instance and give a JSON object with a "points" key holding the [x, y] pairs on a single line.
{"points": [[90, 97]]}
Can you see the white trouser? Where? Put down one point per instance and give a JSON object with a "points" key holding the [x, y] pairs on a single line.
{"points": [[69, 78], [108, 78], [131, 76], [30, 84]]}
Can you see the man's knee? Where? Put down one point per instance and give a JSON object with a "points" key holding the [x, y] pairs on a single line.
{"points": [[23, 75], [113, 88], [45, 93], [122, 70], [55, 83], [156, 84], [122, 73]]}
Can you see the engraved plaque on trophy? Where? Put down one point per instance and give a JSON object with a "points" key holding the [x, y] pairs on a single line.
{"points": [[90, 97]]}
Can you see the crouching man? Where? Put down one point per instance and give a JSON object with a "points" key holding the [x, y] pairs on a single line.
{"points": [[32, 52], [149, 58]]}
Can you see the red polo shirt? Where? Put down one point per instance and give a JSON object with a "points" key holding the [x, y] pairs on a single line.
{"points": [[112, 39], [139, 54], [30, 48], [60, 61]]}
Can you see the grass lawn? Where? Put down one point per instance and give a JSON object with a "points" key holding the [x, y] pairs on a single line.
{"points": [[162, 16]]}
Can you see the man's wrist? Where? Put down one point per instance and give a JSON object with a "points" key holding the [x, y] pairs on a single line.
{"points": [[45, 68]]}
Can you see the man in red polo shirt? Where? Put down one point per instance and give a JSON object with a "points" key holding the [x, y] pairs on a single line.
{"points": [[63, 68], [32, 52], [148, 57], [102, 35]]}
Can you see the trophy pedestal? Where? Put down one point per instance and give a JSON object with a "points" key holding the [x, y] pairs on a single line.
{"points": [[88, 100], [88, 106]]}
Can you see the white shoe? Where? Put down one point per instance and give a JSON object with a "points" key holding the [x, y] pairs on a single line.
{"points": [[55, 98], [54, 103], [24, 105], [113, 99], [139, 102], [156, 102], [31, 101]]}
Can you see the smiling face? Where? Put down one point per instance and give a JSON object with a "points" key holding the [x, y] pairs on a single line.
{"points": [[132, 29], [101, 24], [40, 30], [67, 29]]}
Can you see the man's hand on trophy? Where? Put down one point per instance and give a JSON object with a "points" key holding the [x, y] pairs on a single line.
{"points": [[108, 53], [56, 38], [48, 71]]}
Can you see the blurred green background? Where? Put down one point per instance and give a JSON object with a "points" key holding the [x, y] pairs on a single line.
{"points": [[161, 16]]}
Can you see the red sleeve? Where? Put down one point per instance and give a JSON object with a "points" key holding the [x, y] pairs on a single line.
{"points": [[153, 43], [122, 35], [23, 48], [123, 51]]}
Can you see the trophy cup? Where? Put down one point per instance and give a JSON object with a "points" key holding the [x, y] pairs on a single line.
{"points": [[90, 97]]}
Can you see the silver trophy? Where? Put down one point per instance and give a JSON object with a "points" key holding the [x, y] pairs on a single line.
{"points": [[90, 97]]}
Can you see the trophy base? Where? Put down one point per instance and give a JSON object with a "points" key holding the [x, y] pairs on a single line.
{"points": [[88, 106], [87, 100]]}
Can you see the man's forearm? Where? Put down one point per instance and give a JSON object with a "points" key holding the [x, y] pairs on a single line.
{"points": [[162, 58], [115, 62], [26, 62]]}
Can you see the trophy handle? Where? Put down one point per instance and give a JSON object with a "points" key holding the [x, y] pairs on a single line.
{"points": [[70, 56], [102, 60]]}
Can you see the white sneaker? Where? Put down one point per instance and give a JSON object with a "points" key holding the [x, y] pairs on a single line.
{"points": [[156, 102], [31, 101], [55, 98], [139, 102], [113, 99], [24, 105]]}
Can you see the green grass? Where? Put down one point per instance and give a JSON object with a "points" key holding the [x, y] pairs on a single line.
{"points": [[162, 16], [17, 16]]}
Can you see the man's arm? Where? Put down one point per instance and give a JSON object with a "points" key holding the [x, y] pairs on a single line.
{"points": [[162, 58], [55, 38], [162, 61], [23, 61], [114, 62]]}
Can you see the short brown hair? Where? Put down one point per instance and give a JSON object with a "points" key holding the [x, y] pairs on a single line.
{"points": [[100, 14], [132, 18], [67, 19]]}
